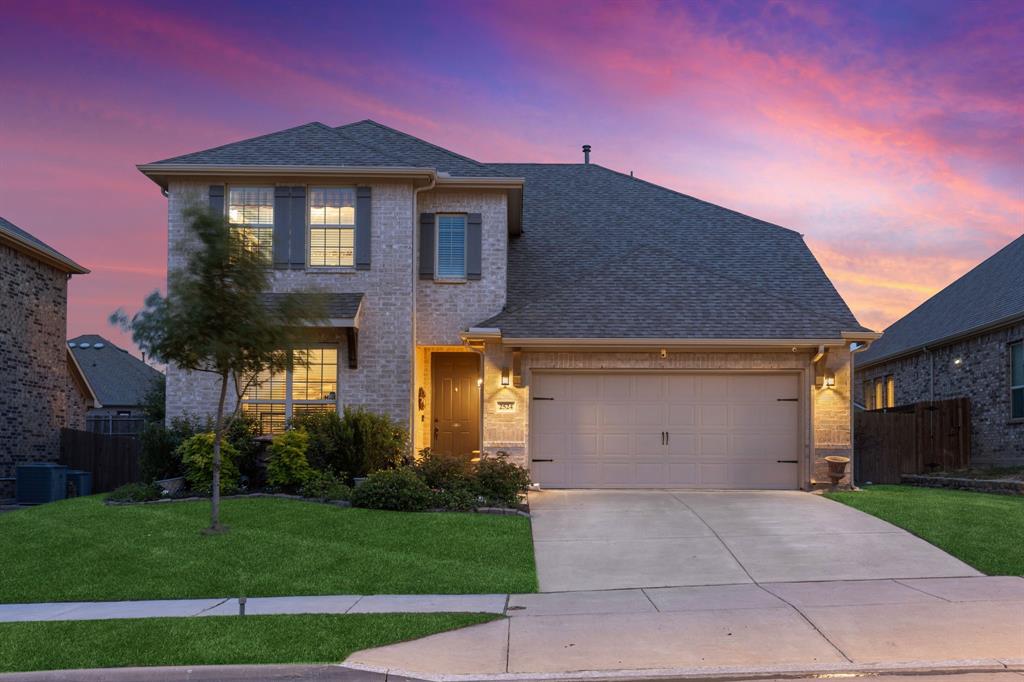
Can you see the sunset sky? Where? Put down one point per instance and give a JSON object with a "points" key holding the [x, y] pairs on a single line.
{"points": [[891, 134]]}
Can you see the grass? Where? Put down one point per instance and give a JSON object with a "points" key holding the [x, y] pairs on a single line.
{"points": [[214, 640], [981, 529], [83, 550]]}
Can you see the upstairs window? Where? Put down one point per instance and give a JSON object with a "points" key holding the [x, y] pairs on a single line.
{"points": [[251, 216], [1017, 380], [890, 391], [869, 404], [312, 386], [451, 246], [332, 222], [879, 394]]}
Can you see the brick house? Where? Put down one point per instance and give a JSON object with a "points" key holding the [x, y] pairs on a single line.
{"points": [[965, 341], [122, 383], [599, 329], [43, 387]]}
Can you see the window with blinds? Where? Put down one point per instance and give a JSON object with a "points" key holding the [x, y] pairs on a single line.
{"points": [[890, 391], [1017, 380], [312, 386], [251, 216], [332, 221], [451, 246]]}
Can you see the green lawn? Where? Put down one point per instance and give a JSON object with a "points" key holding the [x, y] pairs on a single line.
{"points": [[84, 550], [981, 529], [214, 640]]}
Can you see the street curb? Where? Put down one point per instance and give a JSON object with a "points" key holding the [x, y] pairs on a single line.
{"points": [[207, 673]]}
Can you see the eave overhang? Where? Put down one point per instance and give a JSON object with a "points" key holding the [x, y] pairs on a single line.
{"points": [[491, 334], [46, 255], [945, 340]]}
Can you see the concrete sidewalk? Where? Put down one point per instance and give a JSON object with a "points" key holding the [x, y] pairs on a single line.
{"points": [[730, 629]]}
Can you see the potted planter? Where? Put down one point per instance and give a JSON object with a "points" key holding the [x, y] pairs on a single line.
{"points": [[172, 485], [837, 467]]}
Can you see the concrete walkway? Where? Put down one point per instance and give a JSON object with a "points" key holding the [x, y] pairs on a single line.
{"points": [[725, 630], [615, 539]]}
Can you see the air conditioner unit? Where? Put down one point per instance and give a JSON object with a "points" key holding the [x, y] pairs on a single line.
{"points": [[40, 482]]}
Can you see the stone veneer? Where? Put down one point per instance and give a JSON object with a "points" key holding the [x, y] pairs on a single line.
{"points": [[38, 397], [983, 376]]}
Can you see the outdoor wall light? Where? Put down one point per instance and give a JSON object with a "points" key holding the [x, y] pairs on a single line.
{"points": [[958, 361], [830, 381], [505, 376]]}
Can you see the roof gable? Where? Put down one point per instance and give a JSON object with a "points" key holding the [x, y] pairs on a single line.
{"points": [[989, 294], [116, 376], [38, 248]]}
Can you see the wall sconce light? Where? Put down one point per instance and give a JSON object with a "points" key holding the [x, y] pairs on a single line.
{"points": [[830, 381], [505, 379], [958, 361]]}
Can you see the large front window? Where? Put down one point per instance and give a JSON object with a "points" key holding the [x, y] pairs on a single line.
{"points": [[251, 216], [332, 221], [1017, 380], [312, 386]]}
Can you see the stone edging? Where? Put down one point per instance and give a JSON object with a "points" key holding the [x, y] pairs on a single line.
{"points": [[983, 485], [501, 511]]}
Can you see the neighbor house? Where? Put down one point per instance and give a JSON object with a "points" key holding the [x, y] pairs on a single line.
{"points": [[602, 330], [121, 382], [43, 389], [967, 341]]}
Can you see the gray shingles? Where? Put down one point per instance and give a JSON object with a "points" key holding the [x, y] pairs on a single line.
{"points": [[335, 306], [991, 292], [34, 241], [117, 377]]}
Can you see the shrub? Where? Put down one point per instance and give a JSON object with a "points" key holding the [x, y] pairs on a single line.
{"points": [[136, 492], [440, 470], [378, 441], [393, 489], [242, 431], [159, 457], [330, 441], [461, 497], [500, 481], [287, 467], [326, 485], [197, 456]]}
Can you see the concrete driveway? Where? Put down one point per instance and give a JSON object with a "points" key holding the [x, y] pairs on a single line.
{"points": [[615, 539]]}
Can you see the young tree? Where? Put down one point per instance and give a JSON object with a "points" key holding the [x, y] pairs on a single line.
{"points": [[216, 319]]}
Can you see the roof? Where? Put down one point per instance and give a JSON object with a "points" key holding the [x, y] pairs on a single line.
{"points": [[115, 376], [606, 255], [989, 295], [335, 306], [37, 248]]}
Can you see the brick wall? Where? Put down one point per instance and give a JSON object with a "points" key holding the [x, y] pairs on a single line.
{"points": [[982, 376], [34, 402]]}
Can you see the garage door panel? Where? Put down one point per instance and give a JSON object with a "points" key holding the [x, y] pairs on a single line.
{"points": [[682, 444], [585, 445], [616, 414], [682, 474], [617, 388], [616, 444], [680, 416], [713, 388], [548, 445], [681, 388], [649, 444], [649, 414], [585, 387], [713, 474], [549, 416], [650, 473], [713, 444], [713, 416], [773, 446], [648, 388], [584, 416]]}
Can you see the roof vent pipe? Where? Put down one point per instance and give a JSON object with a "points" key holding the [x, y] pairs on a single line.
{"points": [[586, 153]]}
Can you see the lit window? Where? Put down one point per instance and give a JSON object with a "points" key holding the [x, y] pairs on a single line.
{"points": [[251, 215], [332, 219], [868, 395], [451, 246], [879, 397], [312, 386], [890, 391], [1017, 380]]}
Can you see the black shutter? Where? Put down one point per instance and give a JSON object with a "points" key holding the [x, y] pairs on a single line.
{"points": [[364, 219], [282, 225], [297, 220], [474, 245], [426, 246], [217, 199]]}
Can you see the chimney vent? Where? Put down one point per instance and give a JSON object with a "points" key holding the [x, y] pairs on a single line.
{"points": [[586, 153]]}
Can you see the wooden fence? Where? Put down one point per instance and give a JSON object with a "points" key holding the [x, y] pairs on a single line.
{"points": [[912, 439], [112, 460]]}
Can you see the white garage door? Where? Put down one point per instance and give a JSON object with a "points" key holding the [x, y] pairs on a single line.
{"points": [[664, 430]]}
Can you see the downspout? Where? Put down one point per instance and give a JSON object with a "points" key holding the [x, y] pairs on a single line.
{"points": [[415, 273]]}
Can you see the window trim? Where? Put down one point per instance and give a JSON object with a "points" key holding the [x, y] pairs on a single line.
{"points": [[890, 390], [289, 402], [310, 227], [1009, 377], [273, 213], [447, 279]]}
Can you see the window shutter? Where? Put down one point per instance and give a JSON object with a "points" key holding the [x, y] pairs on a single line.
{"points": [[474, 245], [364, 219], [217, 199], [297, 238], [426, 245], [282, 224]]}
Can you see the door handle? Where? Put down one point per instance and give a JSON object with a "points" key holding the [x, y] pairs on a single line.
{"points": [[436, 430]]}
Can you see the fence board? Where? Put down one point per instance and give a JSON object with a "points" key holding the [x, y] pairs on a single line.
{"points": [[112, 460], [912, 439]]}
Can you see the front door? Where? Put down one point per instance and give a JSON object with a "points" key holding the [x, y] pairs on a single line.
{"points": [[455, 405]]}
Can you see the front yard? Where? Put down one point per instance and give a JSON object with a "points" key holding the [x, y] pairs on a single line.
{"points": [[209, 641], [981, 529], [84, 550]]}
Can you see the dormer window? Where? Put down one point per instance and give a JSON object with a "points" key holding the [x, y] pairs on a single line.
{"points": [[332, 226], [251, 216]]}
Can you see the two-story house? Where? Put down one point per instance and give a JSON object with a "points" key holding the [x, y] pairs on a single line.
{"points": [[601, 330]]}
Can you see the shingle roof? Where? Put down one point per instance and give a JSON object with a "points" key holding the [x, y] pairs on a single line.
{"points": [[605, 255], [19, 235], [335, 306], [117, 377], [991, 293]]}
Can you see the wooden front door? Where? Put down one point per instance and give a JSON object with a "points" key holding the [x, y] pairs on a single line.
{"points": [[455, 405]]}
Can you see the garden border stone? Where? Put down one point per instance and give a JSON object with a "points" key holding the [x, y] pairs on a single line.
{"points": [[981, 485]]}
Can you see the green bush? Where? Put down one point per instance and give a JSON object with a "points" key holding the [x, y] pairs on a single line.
{"points": [[393, 489], [197, 456], [159, 457], [287, 467], [439, 470], [461, 497], [242, 431], [330, 441], [357, 443], [326, 485], [499, 481], [136, 492]]}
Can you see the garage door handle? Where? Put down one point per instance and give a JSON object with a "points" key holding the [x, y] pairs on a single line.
{"points": [[786, 461], [537, 397], [788, 400], [542, 460]]}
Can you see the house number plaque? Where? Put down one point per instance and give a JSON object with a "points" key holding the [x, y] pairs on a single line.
{"points": [[506, 406]]}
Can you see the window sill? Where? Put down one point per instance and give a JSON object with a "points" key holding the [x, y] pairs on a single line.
{"points": [[329, 270], [1015, 421], [450, 280]]}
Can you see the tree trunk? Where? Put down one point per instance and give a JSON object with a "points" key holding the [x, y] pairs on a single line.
{"points": [[218, 434]]}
